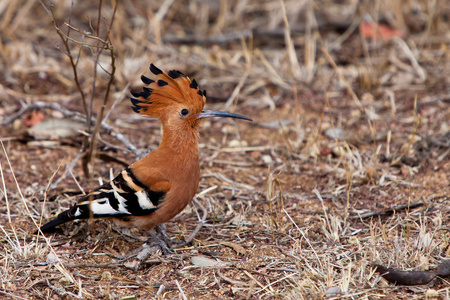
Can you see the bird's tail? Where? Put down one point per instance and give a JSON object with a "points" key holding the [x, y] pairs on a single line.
{"points": [[65, 216]]}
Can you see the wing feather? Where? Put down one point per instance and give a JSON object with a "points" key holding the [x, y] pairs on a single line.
{"points": [[124, 196]]}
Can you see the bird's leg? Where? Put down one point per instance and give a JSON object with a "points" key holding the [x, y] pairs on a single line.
{"points": [[161, 230], [163, 237], [166, 242], [163, 242], [146, 250]]}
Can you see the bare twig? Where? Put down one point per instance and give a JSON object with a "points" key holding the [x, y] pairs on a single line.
{"points": [[415, 65], [74, 115], [64, 39], [398, 208], [201, 221]]}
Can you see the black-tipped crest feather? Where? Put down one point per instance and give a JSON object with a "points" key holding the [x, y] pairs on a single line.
{"points": [[135, 94], [174, 74], [193, 84], [146, 80], [135, 101], [155, 70], [162, 83], [136, 109]]}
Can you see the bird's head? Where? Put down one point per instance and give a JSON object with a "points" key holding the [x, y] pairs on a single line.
{"points": [[175, 100]]}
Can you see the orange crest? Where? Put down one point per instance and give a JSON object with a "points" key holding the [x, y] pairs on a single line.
{"points": [[171, 88]]}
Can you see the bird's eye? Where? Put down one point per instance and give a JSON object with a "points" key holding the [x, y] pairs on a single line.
{"points": [[184, 112]]}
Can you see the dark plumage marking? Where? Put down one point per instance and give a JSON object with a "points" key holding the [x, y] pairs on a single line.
{"points": [[132, 203], [155, 197], [135, 94], [144, 94], [131, 199], [193, 84], [135, 101], [120, 183], [133, 206], [113, 202], [64, 217], [84, 213], [133, 177], [204, 93], [162, 82], [146, 80], [155, 70], [174, 74], [83, 209], [200, 93], [50, 226], [149, 90]]}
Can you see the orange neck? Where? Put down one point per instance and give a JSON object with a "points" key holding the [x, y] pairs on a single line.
{"points": [[179, 140], [176, 157]]}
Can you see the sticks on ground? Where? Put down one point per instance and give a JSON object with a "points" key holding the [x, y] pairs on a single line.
{"points": [[73, 115]]}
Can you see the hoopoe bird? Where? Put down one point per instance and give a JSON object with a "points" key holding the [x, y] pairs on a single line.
{"points": [[156, 188]]}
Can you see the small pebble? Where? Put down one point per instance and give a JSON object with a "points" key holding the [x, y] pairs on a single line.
{"points": [[333, 291]]}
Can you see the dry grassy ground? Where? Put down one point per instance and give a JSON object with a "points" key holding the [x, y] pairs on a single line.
{"points": [[346, 163]]}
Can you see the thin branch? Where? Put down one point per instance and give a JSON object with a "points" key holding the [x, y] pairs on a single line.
{"points": [[398, 208], [109, 47], [73, 115], [68, 53], [93, 37]]}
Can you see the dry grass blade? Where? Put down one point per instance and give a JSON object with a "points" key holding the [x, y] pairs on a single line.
{"points": [[5, 195], [248, 53], [59, 266], [294, 64], [305, 237]]}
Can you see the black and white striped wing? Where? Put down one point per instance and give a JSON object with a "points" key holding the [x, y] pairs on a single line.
{"points": [[124, 196]]}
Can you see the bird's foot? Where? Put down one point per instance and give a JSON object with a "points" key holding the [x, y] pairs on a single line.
{"points": [[164, 242], [158, 242], [161, 231]]}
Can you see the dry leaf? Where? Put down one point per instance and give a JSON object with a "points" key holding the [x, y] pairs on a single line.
{"points": [[56, 128], [203, 261], [238, 248]]}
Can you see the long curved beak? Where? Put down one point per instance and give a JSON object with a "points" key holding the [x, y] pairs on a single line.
{"points": [[223, 114]]}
